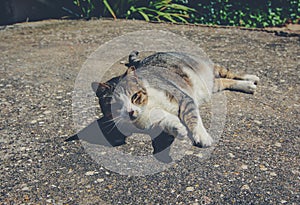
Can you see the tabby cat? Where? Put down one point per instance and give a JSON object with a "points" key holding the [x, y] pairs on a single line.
{"points": [[165, 90]]}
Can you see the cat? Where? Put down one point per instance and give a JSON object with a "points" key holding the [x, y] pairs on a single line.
{"points": [[165, 90]]}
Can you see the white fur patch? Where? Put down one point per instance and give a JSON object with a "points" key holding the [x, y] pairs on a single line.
{"points": [[252, 78], [245, 86]]}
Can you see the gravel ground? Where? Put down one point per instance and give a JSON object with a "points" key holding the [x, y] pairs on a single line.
{"points": [[256, 161]]}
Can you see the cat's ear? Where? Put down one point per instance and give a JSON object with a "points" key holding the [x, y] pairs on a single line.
{"points": [[100, 87]]}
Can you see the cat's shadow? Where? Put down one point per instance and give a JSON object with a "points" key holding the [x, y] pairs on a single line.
{"points": [[99, 133]]}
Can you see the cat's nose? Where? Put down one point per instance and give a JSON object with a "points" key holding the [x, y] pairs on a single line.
{"points": [[131, 115]]}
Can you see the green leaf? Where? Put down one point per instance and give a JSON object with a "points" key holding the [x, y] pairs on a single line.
{"points": [[105, 2], [182, 19], [180, 7], [169, 17], [145, 16]]}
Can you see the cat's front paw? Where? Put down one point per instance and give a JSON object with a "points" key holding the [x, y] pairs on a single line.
{"points": [[203, 140], [180, 131]]}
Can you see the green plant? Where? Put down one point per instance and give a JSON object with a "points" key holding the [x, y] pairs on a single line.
{"points": [[89, 8], [246, 13], [162, 10], [86, 7]]}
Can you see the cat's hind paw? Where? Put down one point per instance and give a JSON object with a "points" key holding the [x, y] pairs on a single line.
{"points": [[245, 86], [252, 78]]}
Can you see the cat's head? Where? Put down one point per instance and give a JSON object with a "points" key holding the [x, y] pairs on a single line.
{"points": [[124, 96]]}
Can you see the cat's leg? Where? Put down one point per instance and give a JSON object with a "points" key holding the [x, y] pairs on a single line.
{"points": [[200, 135], [190, 116], [235, 85], [172, 125], [222, 72], [168, 122]]}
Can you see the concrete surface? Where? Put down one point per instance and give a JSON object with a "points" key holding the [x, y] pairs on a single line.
{"points": [[256, 160]]}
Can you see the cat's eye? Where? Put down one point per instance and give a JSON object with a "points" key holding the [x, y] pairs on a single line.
{"points": [[139, 98], [135, 98]]}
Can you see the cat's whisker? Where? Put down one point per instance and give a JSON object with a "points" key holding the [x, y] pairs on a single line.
{"points": [[113, 119], [113, 122], [110, 124], [110, 121], [115, 125]]}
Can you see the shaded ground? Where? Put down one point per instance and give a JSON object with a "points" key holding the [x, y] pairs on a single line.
{"points": [[255, 162]]}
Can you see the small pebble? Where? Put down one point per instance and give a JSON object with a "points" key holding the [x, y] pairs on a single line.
{"points": [[231, 155], [245, 187], [273, 174], [244, 166], [110, 186], [263, 168], [257, 122], [277, 144], [26, 198], [33, 122], [189, 188], [199, 155], [100, 180], [90, 173], [25, 188], [47, 112]]}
